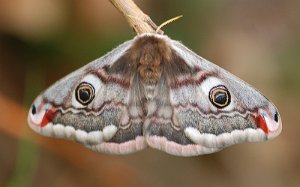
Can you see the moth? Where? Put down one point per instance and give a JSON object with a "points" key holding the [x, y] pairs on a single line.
{"points": [[153, 91]]}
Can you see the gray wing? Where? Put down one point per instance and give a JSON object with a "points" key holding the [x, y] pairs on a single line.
{"points": [[187, 118], [92, 106]]}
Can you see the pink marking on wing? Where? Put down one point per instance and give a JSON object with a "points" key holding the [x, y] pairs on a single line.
{"points": [[186, 106], [110, 78], [173, 148], [39, 108], [108, 104], [179, 83], [120, 148]]}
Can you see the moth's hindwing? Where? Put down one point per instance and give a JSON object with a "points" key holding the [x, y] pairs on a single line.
{"points": [[154, 91]]}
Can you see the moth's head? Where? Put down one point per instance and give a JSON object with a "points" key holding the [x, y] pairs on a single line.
{"points": [[227, 96]]}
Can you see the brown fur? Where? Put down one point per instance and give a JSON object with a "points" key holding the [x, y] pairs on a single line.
{"points": [[150, 53], [149, 57]]}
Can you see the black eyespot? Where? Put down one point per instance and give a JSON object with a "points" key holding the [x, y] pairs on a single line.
{"points": [[276, 117], [84, 93], [219, 96], [33, 109]]}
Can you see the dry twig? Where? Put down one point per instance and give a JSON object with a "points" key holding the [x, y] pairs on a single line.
{"points": [[138, 20]]}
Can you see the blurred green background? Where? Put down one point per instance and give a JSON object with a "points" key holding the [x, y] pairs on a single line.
{"points": [[43, 40]]}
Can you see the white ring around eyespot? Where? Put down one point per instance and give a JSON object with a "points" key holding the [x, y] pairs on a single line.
{"points": [[208, 84], [91, 79]]}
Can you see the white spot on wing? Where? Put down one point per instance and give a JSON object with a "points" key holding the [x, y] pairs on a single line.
{"points": [[208, 84], [95, 137], [94, 81], [109, 132], [193, 134], [70, 132], [47, 130], [225, 139], [81, 136], [122, 148], [59, 130]]}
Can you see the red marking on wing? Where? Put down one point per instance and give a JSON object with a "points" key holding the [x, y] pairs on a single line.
{"points": [[48, 117], [261, 123]]}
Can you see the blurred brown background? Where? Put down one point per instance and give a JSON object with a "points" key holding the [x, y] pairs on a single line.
{"points": [[43, 40]]}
